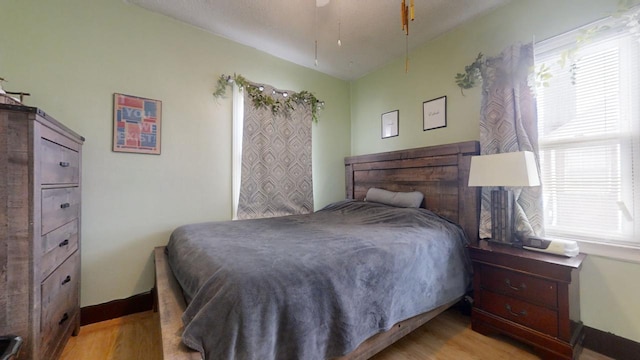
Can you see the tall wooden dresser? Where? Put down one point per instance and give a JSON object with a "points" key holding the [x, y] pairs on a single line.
{"points": [[40, 183]]}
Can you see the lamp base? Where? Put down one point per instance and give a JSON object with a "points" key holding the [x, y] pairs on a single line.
{"points": [[501, 216]]}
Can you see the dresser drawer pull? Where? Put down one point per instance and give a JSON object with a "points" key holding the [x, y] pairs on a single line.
{"points": [[521, 313], [523, 286], [64, 243], [66, 280], [64, 164], [65, 317], [64, 206]]}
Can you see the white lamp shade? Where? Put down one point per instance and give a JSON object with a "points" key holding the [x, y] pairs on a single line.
{"points": [[506, 169]]}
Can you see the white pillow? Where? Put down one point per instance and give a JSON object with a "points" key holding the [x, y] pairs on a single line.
{"points": [[399, 199]]}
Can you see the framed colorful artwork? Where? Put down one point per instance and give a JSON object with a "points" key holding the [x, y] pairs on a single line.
{"points": [[137, 124], [434, 113], [390, 124]]}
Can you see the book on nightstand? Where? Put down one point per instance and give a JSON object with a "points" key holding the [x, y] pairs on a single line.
{"points": [[561, 247]]}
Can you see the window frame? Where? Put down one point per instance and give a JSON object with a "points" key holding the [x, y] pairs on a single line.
{"points": [[624, 250]]}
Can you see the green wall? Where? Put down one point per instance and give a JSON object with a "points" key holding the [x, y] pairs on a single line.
{"points": [[72, 55], [608, 287]]}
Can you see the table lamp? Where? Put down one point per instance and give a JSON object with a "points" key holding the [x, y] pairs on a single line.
{"points": [[513, 169]]}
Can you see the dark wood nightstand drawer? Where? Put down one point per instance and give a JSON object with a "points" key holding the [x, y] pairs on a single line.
{"points": [[524, 287], [530, 315]]}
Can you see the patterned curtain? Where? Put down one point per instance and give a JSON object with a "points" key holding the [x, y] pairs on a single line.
{"points": [[508, 123], [276, 177]]}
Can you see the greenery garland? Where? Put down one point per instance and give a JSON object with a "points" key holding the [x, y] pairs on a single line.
{"points": [[262, 100], [471, 75], [627, 14]]}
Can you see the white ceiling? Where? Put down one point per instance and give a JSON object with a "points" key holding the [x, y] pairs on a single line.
{"points": [[370, 30]]}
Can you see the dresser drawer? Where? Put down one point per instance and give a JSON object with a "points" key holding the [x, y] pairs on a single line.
{"points": [[57, 246], [59, 206], [511, 283], [530, 315], [58, 164], [60, 302]]}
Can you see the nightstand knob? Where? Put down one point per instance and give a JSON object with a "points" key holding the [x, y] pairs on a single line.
{"points": [[523, 286], [521, 313]]}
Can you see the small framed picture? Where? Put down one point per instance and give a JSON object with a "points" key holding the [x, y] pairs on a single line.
{"points": [[136, 124], [390, 124], [434, 113]]}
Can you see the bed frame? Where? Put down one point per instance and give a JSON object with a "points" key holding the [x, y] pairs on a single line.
{"points": [[440, 172]]}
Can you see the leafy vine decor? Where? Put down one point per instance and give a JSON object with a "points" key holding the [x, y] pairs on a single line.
{"points": [[260, 99], [471, 75], [627, 15]]}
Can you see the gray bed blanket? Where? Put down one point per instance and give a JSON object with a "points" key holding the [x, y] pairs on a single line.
{"points": [[313, 286]]}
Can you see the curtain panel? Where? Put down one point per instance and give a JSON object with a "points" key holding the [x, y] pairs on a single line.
{"points": [[276, 175], [508, 123]]}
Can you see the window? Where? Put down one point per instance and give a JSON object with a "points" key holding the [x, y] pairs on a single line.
{"points": [[588, 123], [236, 161]]}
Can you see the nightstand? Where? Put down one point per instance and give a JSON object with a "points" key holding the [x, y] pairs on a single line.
{"points": [[530, 296]]}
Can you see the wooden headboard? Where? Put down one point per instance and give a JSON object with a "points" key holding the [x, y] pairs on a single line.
{"points": [[440, 172]]}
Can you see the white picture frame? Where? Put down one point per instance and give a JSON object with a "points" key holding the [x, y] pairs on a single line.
{"points": [[434, 113], [389, 122]]}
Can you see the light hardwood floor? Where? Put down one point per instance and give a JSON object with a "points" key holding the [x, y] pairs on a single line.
{"points": [[448, 336], [133, 337]]}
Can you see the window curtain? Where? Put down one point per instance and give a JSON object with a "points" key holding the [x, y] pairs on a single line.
{"points": [[276, 176], [508, 124]]}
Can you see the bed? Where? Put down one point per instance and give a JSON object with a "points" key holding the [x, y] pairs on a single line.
{"points": [[438, 172]]}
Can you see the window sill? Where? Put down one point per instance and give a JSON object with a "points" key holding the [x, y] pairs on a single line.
{"points": [[613, 251]]}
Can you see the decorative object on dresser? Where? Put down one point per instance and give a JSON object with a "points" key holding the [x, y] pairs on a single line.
{"points": [[40, 161], [20, 95], [530, 296], [7, 98], [515, 169]]}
